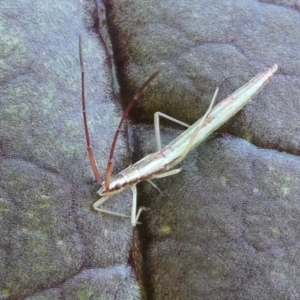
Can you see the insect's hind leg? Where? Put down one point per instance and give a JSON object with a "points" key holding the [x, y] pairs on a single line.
{"points": [[157, 128], [135, 216], [168, 173]]}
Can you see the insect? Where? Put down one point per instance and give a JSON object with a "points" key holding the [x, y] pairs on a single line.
{"points": [[159, 164]]}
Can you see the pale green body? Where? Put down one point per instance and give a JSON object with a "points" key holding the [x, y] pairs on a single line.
{"points": [[156, 165]]}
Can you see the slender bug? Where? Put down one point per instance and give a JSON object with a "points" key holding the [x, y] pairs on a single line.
{"points": [[158, 165]]}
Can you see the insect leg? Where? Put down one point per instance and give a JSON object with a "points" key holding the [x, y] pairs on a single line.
{"points": [[97, 205], [157, 129], [135, 216], [168, 173], [198, 128], [155, 186]]}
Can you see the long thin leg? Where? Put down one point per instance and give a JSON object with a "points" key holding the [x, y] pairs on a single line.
{"points": [[138, 215], [194, 135], [155, 186], [157, 128], [166, 174], [134, 204], [134, 216], [97, 205]]}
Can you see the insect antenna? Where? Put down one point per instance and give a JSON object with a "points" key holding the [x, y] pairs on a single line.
{"points": [[124, 117], [86, 129]]}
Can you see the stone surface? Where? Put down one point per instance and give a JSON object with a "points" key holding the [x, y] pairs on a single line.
{"points": [[49, 232], [226, 227]]}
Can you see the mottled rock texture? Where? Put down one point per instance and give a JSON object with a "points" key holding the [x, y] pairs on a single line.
{"points": [[226, 227]]}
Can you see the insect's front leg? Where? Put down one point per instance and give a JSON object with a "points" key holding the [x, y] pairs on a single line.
{"points": [[191, 141], [134, 216], [97, 207]]}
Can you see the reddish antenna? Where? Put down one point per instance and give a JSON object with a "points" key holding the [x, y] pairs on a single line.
{"points": [[86, 129], [124, 117]]}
